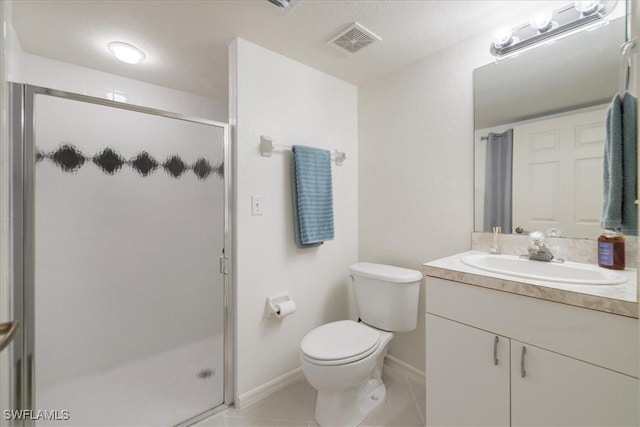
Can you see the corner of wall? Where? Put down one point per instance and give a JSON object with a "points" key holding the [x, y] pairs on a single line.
{"points": [[311, 109], [419, 119], [233, 114]]}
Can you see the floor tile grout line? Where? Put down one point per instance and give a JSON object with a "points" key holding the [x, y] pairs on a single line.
{"points": [[403, 378], [371, 415], [286, 420], [415, 401], [380, 409], [314, 396], [249, 417]]}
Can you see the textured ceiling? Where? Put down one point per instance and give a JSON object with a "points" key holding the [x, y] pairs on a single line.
{"points": [[186, 41]]}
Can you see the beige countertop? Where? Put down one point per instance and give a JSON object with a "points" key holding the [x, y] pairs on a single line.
{"points": [[616, 299]]}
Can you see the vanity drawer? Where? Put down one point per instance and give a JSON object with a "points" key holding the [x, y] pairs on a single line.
{"points": [[604, 339]]}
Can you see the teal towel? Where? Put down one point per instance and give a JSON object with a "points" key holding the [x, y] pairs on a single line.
{"points": [[312, 196], [619, 211]]}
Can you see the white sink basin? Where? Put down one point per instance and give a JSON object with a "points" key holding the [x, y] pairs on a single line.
{"points": [[567, 272]]}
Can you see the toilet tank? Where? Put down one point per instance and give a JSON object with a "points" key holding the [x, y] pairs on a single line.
{"points": [[386, 296]]}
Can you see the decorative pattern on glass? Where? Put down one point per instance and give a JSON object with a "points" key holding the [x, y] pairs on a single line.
{"points": [[70, 160]]}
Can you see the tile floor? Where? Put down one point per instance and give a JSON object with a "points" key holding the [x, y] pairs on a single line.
{"points": [[293, 407]]}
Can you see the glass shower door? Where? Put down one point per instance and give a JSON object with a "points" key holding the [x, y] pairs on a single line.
{"points": [[127, 321]]}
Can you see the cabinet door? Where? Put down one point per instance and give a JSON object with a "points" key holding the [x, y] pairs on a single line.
{"points": [[560, 391], [465, 386]]}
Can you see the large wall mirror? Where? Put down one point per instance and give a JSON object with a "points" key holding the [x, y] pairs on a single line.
{"points": [[552, 101]]}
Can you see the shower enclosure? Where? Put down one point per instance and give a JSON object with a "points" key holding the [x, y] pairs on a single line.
{"points": [[120, 281]]}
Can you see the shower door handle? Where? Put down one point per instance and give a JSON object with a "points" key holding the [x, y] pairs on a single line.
{"points": [[223, 264], [7, 332]]}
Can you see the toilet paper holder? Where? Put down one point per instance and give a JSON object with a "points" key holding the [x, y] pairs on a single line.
{"points": [[275, 302]]}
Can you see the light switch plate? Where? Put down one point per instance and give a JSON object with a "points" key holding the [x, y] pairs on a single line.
{"points": [[257, 207]]}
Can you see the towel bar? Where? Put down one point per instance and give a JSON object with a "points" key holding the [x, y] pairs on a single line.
{"points": [[625, 66], [267, 146]]}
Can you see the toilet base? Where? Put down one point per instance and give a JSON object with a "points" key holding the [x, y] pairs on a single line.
{"points": [[348, 408]]}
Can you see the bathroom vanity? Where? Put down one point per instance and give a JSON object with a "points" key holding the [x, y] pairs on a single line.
{"points": [[512, 351]]}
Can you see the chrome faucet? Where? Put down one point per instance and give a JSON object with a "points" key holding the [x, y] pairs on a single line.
{"points": [[538, 251]]}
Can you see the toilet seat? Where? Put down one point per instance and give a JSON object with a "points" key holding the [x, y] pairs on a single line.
{"points": [[339, 343]]}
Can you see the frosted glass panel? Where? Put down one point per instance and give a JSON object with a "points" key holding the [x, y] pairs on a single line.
{"points": [[128, 296]]}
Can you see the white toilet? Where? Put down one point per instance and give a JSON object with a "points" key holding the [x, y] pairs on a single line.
{"points": [[343, 360]]}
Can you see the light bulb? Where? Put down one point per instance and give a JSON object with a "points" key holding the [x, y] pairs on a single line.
{"points": [[126, 52], [502, 37], [541, 21], [586, 7]]}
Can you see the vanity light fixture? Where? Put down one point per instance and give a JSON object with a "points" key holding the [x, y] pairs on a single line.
{"points": [[586, 7], [542, 21], [502, 37], [126, 52], [547, 24]]}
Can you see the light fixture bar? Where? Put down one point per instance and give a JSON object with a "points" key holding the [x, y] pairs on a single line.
{"points": [[280, 3], [284, 6], [565, 19]]}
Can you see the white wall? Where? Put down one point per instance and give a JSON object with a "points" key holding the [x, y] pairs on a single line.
{"points": [[294, 104], [41, 71], [12, 53], [415, 178]]}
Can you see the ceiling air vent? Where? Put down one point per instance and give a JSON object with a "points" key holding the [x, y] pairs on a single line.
{"points": [[284, 6], [353, 38]]}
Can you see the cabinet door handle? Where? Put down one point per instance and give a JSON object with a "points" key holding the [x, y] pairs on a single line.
{"points": [[523, 373], [495, 351]]}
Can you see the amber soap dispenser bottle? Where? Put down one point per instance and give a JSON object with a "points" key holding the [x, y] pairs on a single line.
{"points": [[611, 250]]}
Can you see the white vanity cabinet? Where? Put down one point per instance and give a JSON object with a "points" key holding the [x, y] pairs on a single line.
{"points": [[465, 385], [561, 391], [580, 366]]}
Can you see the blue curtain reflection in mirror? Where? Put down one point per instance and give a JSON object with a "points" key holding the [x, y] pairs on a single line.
{"points": [[498, 193]]}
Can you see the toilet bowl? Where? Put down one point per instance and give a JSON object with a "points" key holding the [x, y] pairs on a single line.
{"points": [[343, 360]]}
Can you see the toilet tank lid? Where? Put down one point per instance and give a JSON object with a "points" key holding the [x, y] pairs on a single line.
{"points": [[388, 273]]}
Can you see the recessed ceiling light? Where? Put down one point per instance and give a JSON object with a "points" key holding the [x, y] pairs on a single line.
{"points": [[126, 52]]}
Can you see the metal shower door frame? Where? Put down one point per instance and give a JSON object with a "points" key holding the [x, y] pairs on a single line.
{"points": [[22, 122]]}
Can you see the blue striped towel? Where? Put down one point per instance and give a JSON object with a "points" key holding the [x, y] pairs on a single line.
{"points": [[619, 211], [312, 196]]}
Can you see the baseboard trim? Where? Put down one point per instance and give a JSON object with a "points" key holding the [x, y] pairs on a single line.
{"points": [[267, 389], [405, 368]]}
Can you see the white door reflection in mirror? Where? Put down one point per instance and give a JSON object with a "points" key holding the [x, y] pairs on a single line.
{"points": [[557, 178]]}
